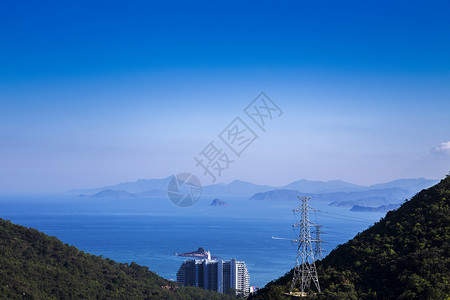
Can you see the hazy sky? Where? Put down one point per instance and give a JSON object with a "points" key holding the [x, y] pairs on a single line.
{"points": [[96, 94]]}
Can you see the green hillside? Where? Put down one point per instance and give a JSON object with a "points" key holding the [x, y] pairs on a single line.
{"points": [[406, 255], [36, 266]]}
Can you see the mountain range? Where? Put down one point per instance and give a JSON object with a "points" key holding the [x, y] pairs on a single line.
{"points": [[336, 192], [136, 187]]}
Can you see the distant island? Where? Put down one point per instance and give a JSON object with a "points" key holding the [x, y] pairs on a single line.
{"points": [[108, 193], [382, 208], [199, 253], [218, 202]]}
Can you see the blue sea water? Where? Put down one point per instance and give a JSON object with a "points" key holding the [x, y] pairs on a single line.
{"points": [[149, 231]]}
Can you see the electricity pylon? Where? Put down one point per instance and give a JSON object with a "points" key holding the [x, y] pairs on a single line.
{"points": [[305, 268], [318, 251]]}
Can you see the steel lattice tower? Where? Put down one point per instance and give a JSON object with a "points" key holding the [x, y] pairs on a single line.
{"points": [[305, 268], [318, 251]]}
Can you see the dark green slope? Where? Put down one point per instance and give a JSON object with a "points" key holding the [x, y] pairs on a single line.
{"points": [[406, 255], [36, 266]]}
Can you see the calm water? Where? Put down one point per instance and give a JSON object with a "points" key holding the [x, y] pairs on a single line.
{"points": [[149, 231]]}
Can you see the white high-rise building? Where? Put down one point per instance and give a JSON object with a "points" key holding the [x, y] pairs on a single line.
{"points": [[217, 275]]}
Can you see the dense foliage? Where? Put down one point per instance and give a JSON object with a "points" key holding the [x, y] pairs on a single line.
{"points": [[36, 266], [403, 256]]}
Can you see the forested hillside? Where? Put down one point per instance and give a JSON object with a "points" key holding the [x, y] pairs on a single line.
{"points": [[403, 256], [36, 266]]}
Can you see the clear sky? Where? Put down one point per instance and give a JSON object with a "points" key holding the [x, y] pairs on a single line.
{"points": [[99, 92]]}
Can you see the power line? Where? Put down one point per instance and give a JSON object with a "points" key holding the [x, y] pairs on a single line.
{"points": [[350, 218]]}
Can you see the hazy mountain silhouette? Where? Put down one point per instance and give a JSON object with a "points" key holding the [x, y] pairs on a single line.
{"points": [[333, 191]]}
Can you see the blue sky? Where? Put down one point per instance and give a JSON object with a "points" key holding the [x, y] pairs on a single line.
{"points": [[98, 93]]}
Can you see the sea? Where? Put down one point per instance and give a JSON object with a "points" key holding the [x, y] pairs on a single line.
{"points": [[149, 231]]}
